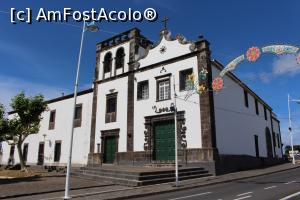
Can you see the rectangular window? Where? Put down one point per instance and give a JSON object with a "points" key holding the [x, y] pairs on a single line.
{"points": [[274, 139], [111, 108], [256, 146], [52, 120], [57, 151], [41, 154], [278, 141], [78, 116], [142, 90], [183, 79], [11, 159], [256, 107], [163, 90], [265, 113], [25, 152], [246, 98]]}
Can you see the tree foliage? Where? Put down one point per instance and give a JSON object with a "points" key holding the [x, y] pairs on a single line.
{"points": [[25, 121]]}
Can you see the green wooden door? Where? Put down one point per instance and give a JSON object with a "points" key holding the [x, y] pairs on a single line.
{"points": [[164, 141], [110, 149]]}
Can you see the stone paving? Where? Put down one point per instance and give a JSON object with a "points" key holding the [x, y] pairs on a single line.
{"points": [[53, 187], [45, 187]]}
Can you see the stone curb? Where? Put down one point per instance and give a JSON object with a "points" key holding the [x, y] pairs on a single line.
{"points": [[193, 185]]}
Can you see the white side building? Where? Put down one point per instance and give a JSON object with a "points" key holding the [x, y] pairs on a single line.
{"points": [[50, 145]]}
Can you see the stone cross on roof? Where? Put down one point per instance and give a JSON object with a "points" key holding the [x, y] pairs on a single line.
{"points": [[165, 21]]}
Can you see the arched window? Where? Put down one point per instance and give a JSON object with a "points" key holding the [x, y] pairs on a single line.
{"points": [[119, 60], [107, 62]]}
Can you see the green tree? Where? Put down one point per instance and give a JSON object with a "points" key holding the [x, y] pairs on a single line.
{"points": [[25, 122], [287, 149]]}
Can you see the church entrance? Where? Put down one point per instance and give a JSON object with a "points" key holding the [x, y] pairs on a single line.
{"points": [[109, 149], [109, 145], [164, 141]]}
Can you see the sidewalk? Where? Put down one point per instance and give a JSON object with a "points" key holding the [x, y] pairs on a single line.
{"points": [[188, 184], [53, 187]]}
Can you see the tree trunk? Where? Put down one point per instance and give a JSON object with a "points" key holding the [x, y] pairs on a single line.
{"points": [[21, 157]]}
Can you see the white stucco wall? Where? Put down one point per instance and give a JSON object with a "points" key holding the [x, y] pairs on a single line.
{"points": [[143, 108], [173, 49], [237, 124], [119, 86], [61, 132]]}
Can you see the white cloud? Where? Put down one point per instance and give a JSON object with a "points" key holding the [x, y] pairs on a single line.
{"points": [[10, 86], [286, 64], [265, 77]]}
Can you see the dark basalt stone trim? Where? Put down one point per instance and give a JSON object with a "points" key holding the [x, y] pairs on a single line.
{"points": [[70, 96], [150, 122], [152, 66], [133, 50], [163, 76], [207, 111], [122, 38], [62, 98], [94, 107], [109, 133]]}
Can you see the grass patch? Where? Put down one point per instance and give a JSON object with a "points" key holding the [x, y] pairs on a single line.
{"points": [[23, 174]]}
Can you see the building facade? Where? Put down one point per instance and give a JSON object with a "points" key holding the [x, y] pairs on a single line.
{"points": [[127, 118]]}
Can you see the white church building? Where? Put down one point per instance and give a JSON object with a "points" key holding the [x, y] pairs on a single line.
{"points": [[127, 118]]}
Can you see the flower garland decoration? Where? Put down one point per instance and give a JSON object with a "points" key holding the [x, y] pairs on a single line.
{"points": [[253, 54], [201, 88], [298, 58], [203, 74], [217, 84]]}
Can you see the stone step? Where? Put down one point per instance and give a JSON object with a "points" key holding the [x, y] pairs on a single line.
{"points": [[135, 183], [132, 170], [138, 177], [143, 176]]}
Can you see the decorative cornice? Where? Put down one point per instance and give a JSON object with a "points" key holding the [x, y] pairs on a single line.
{"points": [[166, 34]]}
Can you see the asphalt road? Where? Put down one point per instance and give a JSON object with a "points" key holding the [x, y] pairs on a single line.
{"points": [[269, 187]]}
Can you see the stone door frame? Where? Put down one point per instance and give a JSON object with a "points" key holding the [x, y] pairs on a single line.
{"points": [[150, 122], [109, 133]]}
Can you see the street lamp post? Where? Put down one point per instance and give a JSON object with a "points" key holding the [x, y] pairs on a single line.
{"points": [[290, 125], [176, 147], [86, 27]]}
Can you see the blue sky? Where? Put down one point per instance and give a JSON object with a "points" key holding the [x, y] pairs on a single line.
{"points": [[42, 57]]}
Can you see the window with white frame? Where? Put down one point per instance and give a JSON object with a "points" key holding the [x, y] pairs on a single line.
{"points": [[163, 90]]}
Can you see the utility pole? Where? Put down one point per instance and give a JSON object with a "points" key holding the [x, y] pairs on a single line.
{"points": [[175, 119], [290, 125]]}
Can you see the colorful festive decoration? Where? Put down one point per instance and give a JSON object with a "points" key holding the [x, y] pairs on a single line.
{"points": [[280, 49], [203, 75], [191, 77], [298, 58], [217, 84], [232, 65], [253, 54], [201, 88]]}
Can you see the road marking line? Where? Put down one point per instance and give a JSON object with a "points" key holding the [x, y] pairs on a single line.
{"points": [[267, 188], [246, 197], [191, 196], [291, 196], [243, 194], [290, 182]]}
